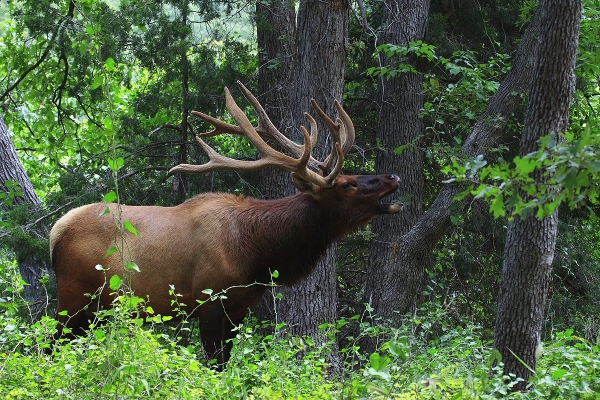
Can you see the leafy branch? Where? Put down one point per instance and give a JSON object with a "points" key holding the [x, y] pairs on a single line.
{"points": [[570, 172]]}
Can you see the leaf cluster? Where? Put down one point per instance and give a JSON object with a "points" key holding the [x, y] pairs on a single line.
{"points": [[561, 172]]}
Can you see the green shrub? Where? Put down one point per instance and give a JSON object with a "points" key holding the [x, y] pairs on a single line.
{"points": [[122, 358]]}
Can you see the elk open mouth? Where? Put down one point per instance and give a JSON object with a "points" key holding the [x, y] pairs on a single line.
{"points": [[390, 207]]}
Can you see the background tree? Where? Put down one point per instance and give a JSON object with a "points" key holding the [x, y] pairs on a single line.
{"points": [[277, 44], [400, 100], [320, 62], [529, 250], [412, 251], [299, 61], [16, 190]]}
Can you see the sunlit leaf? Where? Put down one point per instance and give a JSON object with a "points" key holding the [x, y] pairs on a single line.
{"points": [[115, 282], [130, 228]]}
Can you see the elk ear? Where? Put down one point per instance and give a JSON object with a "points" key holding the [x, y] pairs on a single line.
{"points": [[305, 186]]}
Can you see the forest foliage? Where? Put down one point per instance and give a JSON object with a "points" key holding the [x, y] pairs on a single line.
{"points": [[94, 92]]}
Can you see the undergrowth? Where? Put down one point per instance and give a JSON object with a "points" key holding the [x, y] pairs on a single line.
{"points": [[123, 358]]}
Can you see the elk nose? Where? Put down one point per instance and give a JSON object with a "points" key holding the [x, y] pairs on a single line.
{"points": [[393, 179]]}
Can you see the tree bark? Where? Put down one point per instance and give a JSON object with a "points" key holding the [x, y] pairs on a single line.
{"points": [[409, 254], [31, 266], [320, 67], [299, 62], [530, 242], [276, 36], [400, 102]]}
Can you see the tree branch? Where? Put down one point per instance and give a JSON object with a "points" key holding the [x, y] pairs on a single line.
{"points": [[150, 168]]}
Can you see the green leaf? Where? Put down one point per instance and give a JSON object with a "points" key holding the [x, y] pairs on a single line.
{"points": [[114, 282], [131, 266], [115, 164], [559, 373], [109, 64], [109, 197], [525, 165], [497, 206], [97, 82], [99, 334], [374, 359], [108, 123], [83, 47], [110, 251], [477, 164], [130, 228]]}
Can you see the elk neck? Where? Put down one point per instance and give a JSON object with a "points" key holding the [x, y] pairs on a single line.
{"points": [[288, 235]]}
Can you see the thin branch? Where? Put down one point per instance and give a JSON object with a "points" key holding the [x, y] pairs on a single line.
{"points": [[150, 168], [27, 227], [165, 126], [29, 70], [43, 217]]}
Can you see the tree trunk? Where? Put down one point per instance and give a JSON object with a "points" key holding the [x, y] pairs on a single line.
{"points": [[31, 266], [410, 253], [297, 63], [180, 181], [320, 68], [276, 35], [529, 248], [400, 101]]}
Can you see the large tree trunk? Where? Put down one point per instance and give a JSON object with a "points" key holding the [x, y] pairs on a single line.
{"points": [[400, 101], [297, 63], [530, 242], [276, 35], [320, 68], [410, 253], [31, 266]]}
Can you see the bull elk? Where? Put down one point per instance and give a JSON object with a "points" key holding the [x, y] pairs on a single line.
{"points": [[220, 241]]}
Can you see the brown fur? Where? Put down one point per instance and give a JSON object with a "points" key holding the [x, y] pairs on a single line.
{"points": [[212, 241]]}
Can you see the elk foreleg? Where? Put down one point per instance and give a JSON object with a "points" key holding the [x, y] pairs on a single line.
{"points": [[211, 333]]}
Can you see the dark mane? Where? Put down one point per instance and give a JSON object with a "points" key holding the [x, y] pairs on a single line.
{"points": [[271, 237]]}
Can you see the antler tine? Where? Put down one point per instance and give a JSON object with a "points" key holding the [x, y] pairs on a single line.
{"points": [[340, 134], [338, 164], [349, 131], [314, 132], [266, 127], [270, 156], [219, 126]]}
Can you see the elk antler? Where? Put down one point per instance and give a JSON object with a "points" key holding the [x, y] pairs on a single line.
{"points": [[342, 132]]}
